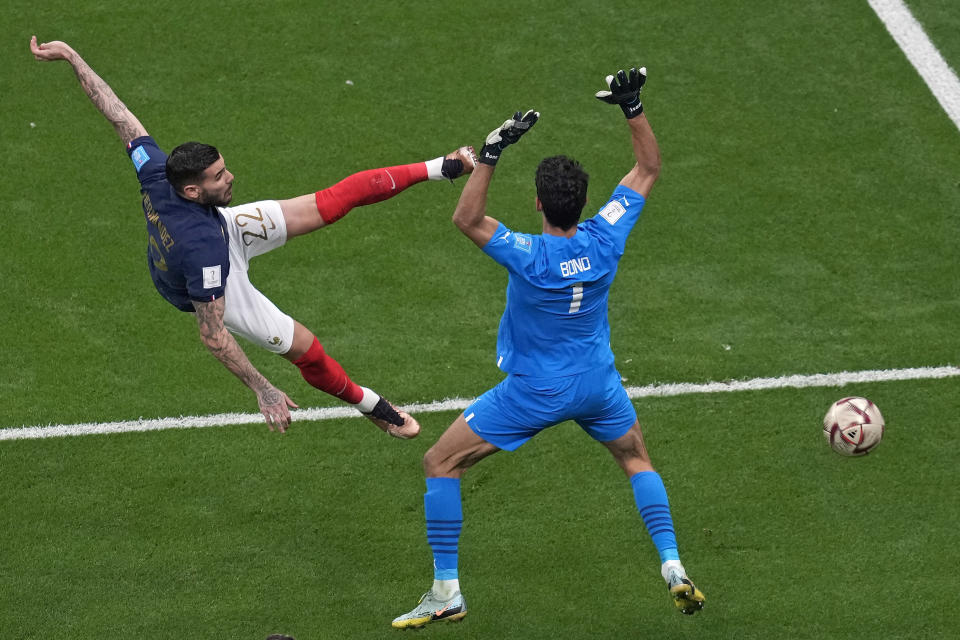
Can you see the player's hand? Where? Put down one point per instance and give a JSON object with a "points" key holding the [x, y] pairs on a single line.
{"points": [[55, 50], [506, 134], [625, 91], [275, 406]]}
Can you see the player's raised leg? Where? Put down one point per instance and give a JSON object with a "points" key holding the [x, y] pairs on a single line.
{"points": [[445, 463], [650, 496], [326, 374], [315, 210]]}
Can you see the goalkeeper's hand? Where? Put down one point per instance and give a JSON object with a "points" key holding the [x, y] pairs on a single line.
{"points": [[625, 91], [506, 134]]}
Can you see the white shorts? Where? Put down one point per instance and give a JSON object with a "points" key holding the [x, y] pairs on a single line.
{"points": [[254, 229]]}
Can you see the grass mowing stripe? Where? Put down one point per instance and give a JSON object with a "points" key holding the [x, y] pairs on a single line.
{"points": [[922, 54], [329, 413]]}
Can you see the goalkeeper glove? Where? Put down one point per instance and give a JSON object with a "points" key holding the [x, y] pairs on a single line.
{"points": [[506, 134], [625, 91]]}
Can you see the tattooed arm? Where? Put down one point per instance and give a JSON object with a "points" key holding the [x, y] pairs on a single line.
{"points": [[274, 404], [124, 123]]}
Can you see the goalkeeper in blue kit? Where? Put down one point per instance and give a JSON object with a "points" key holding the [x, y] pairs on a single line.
{"points": [[554, 345]]}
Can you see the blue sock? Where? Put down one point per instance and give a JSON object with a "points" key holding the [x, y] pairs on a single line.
{"points": [[441, 505], [651, 498]]}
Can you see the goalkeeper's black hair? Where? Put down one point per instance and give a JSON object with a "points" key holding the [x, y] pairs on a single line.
{"points": [[186, 163], [562, 190]]}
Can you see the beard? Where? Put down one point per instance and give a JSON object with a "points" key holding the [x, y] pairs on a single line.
{"points": [[217, 200]]}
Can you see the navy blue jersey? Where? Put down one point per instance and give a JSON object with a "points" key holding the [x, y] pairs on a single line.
{"points": [[186, 242], [555, 320]]}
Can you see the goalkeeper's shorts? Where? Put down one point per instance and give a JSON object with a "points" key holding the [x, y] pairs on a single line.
{"points": [[520, 407]]}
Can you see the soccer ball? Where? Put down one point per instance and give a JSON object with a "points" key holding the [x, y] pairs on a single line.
{"points": [[853, 426]]}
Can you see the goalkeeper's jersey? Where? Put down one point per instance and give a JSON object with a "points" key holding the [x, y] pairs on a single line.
{"points": [[555, 320]]}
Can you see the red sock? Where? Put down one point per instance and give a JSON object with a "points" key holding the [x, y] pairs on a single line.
{"points": [[367, 187], [326, 374]]}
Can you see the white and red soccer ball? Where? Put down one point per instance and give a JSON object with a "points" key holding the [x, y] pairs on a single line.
{"points": [[853, 426]]}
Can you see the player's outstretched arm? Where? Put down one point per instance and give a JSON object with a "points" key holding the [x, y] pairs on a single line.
{"points": [[274, 404], [470, 216], [124, 123], [624, 90]]}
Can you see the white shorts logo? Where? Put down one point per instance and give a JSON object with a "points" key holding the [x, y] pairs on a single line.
{"points": [[612, 212], [211, 277]]}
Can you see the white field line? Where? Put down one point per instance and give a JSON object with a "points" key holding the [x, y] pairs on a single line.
{"points": [[458, 404], [921, 53]]}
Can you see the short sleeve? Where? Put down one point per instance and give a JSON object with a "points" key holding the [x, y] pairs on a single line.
{"points": [[148, 159], [513, 250], [617, 218], [205, 269]]}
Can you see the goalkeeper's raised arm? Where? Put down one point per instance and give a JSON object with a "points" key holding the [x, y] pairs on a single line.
{"points": [[470, 214], [624, 90]]}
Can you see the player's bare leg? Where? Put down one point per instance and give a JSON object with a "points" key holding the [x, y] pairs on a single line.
{"points": [[326, 374]]}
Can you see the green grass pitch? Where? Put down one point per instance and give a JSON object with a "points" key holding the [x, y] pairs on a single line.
{"points": [[806, 220]]}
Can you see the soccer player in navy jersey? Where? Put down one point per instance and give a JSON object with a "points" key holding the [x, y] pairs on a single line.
{"points": [[199, 249], [554, 345]]}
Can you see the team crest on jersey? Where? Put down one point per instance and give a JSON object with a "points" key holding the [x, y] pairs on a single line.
{"points": [[613, 211], [140, 157], [522, 242]]}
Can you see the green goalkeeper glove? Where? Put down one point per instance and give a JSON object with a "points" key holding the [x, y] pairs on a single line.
{"points": [[625, 91], [506, 134]]}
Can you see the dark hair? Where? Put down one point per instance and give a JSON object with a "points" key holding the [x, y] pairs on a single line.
{"points": [[562, 189], [186, 163]]}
